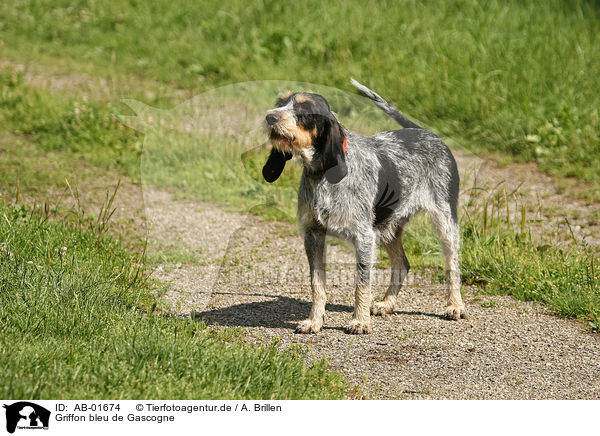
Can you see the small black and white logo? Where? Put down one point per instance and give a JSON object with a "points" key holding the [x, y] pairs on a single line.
{"points": [[26, 415]]}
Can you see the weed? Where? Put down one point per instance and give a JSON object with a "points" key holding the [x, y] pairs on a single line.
{"points": [[505, 256]]}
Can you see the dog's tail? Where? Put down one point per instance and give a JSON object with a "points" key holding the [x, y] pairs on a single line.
{"points": [[385, 106]]}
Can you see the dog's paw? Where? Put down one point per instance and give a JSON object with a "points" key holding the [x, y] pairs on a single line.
{"points": [[382, 308], [309, 326], [357, 327], [456, 313]]}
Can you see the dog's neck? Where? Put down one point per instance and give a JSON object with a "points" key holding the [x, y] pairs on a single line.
{"points": [[309, 159], [312, 161]]}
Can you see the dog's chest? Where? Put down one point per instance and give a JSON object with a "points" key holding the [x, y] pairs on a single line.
{"points": [[327, 206], [338, 208], [372, 198]]}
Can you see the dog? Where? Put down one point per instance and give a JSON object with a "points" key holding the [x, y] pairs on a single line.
{"points": [[364, 189]]}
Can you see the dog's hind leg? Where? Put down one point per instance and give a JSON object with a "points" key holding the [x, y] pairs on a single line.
{"points": [[400, 267], [449, 233], [365, 253], [314, 244]]}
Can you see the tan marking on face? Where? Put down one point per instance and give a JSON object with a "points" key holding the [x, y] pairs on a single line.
{"points": [[303, 138], [285, 95], [302, 98], [286, 128], [282, 145]]}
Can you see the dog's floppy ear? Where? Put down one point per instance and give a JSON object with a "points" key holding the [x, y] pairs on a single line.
{"points": [[275, 164], [334, 156]]}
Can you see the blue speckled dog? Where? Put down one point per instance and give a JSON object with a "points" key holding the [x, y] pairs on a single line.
{"points": [[364, 189]]}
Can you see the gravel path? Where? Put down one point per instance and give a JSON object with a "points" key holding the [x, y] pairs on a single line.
{"points": [[254, 275]]}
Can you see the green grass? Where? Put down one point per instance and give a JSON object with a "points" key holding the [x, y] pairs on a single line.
{"points": [[506, 257], [504, 76], [516, 79], [76, 323], [55, 122]]}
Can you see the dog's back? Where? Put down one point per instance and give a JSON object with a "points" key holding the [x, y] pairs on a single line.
{"points": [[422, 166], [391, 176], [417, 168]]}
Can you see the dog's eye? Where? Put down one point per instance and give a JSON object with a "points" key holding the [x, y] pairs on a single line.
{"points": [[282, 102], [283, 99], [306, 120]]}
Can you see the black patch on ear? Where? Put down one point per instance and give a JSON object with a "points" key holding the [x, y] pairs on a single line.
{"points": [[275, 164], [334, 159]]}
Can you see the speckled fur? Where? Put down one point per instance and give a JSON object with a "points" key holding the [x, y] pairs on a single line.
{"points": [[413, 164]]}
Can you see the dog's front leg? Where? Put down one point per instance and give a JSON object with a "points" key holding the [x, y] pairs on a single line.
{"points": [[314, 244], [365, 251]]}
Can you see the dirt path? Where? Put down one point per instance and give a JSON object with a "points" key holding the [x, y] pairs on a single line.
{"points": [[254, 276]]}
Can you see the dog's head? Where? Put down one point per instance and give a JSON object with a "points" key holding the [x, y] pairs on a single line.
{"points": [[303, 124]]}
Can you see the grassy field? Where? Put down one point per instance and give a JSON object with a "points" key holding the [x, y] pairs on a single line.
{"points": [[510, 77], [75, 315], [517, 80], [505, 256]]}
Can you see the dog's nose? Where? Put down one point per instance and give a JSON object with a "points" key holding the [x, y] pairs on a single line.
{"points": [[272, 119]]}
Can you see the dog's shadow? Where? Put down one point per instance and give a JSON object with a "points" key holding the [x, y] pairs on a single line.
{"points": [[277, 312]]}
